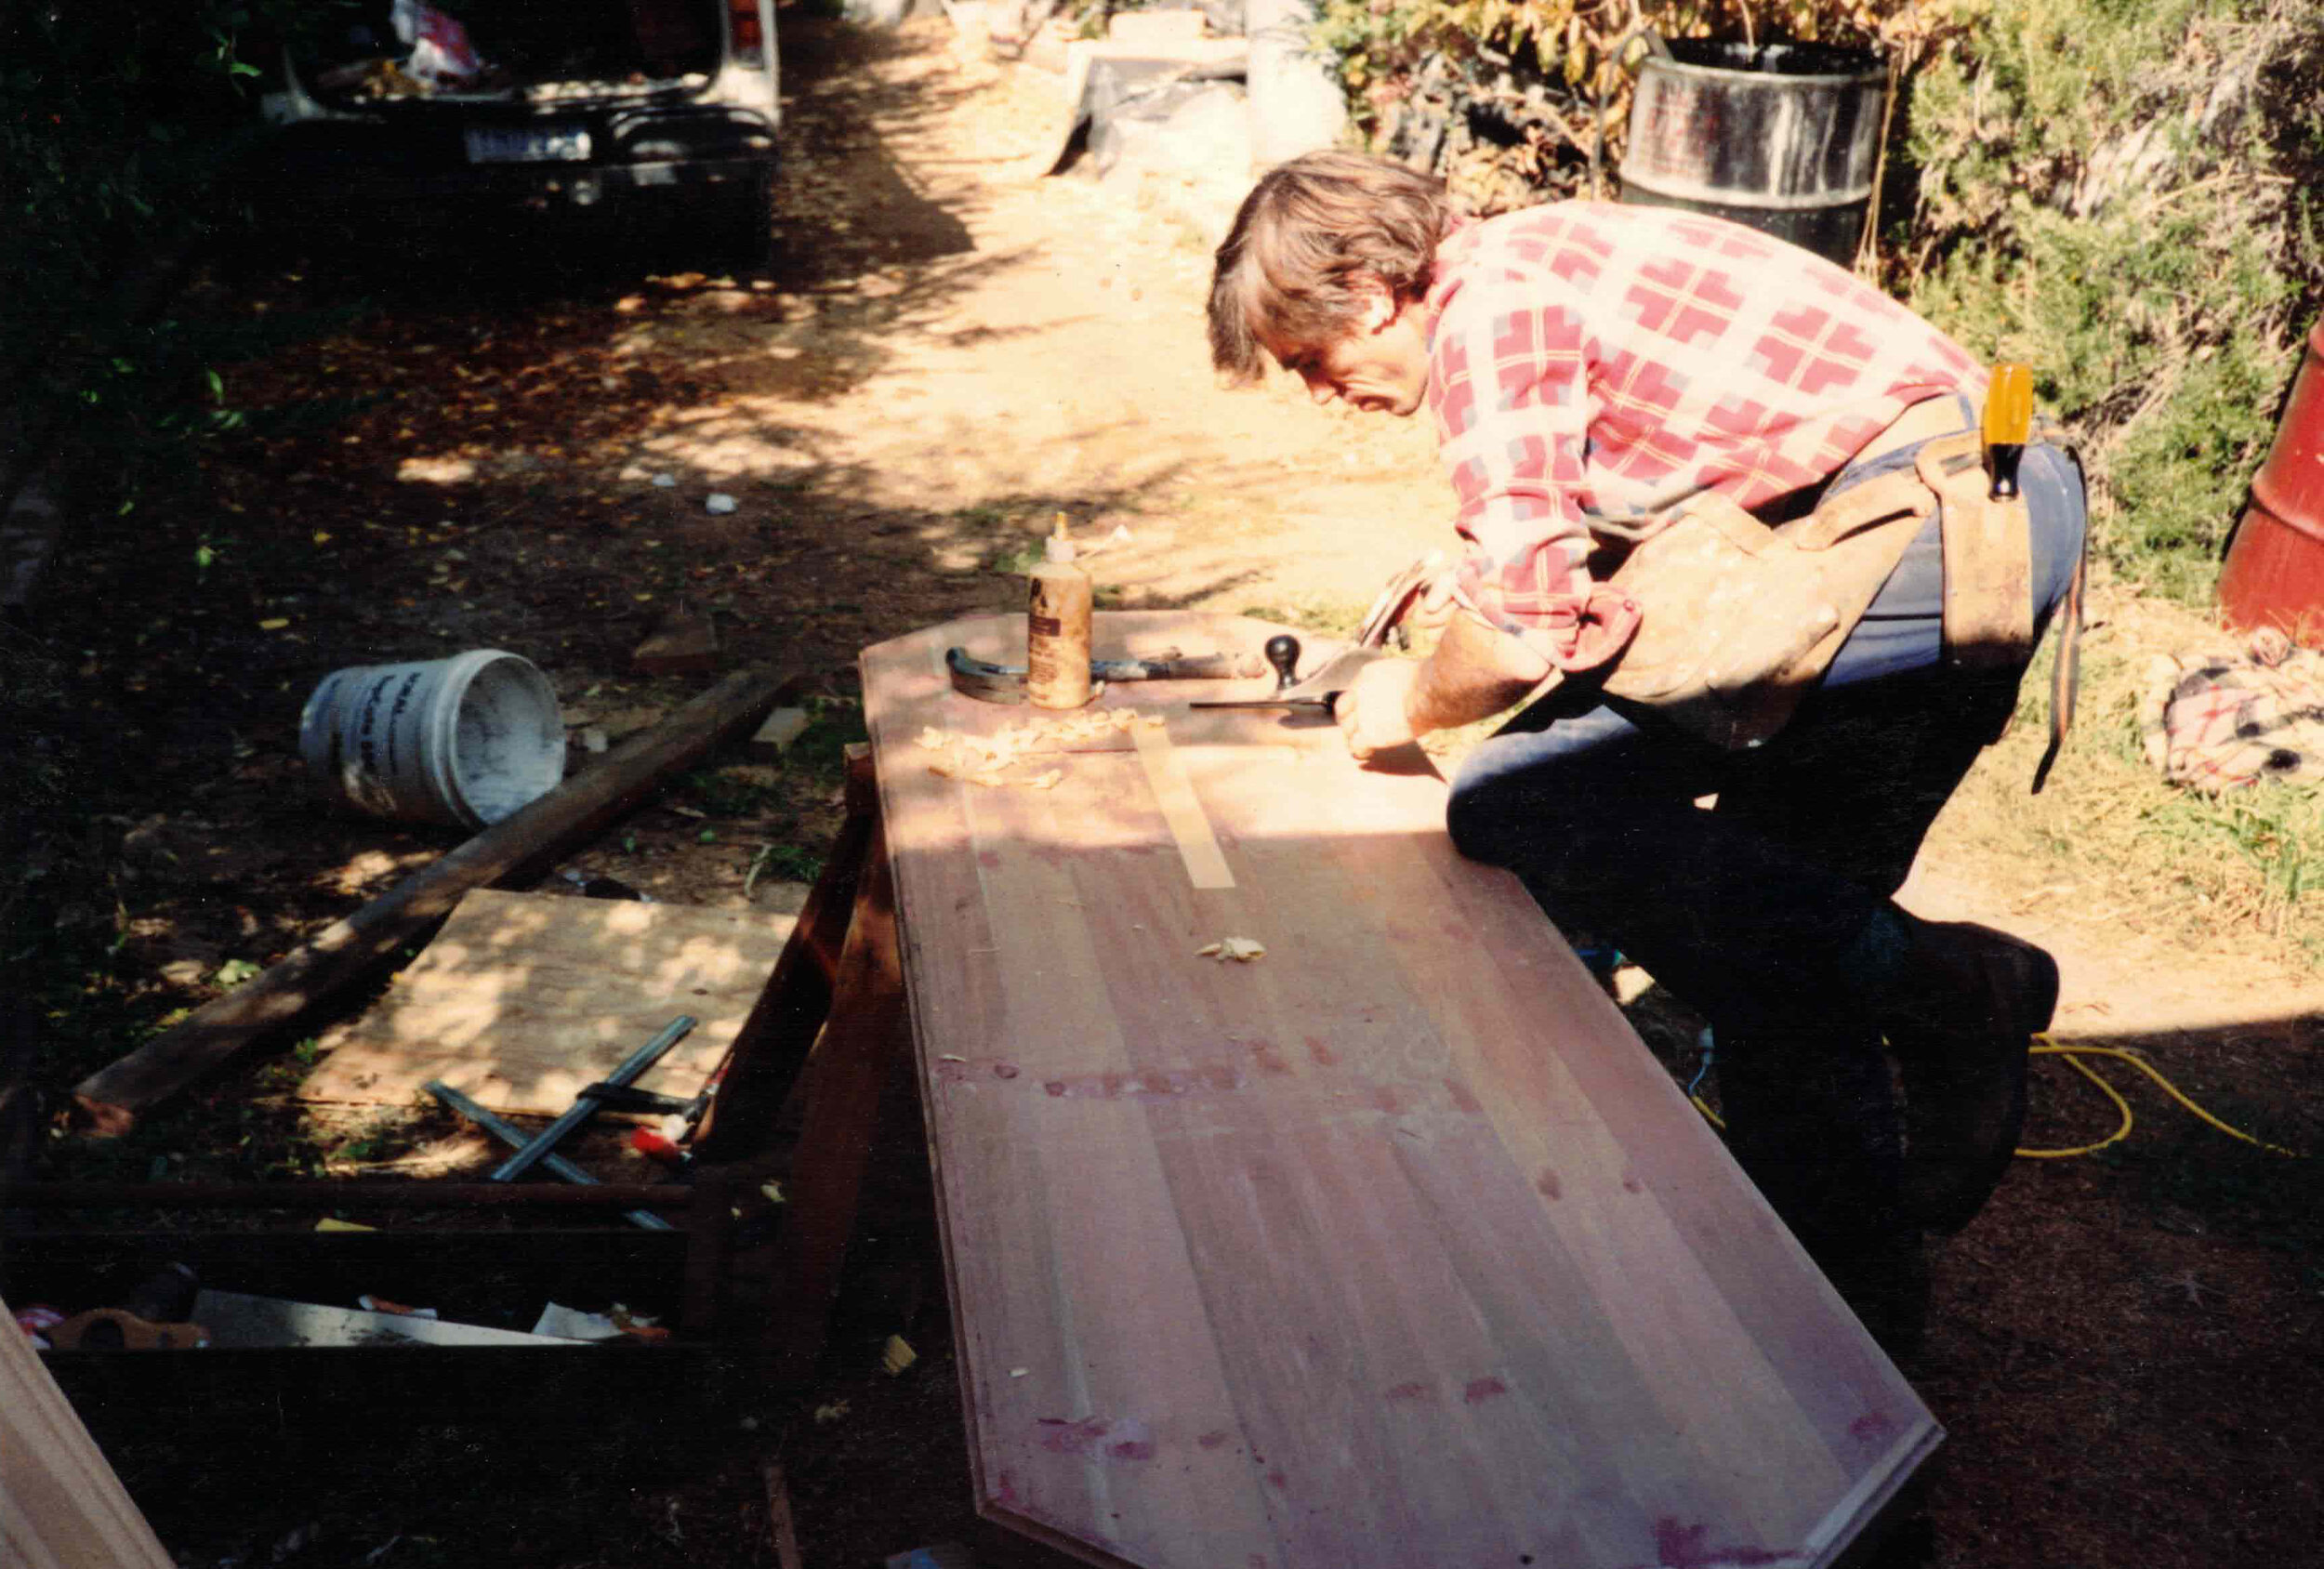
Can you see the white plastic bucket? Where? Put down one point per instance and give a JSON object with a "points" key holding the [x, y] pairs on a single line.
{"points": [[463, 741]]}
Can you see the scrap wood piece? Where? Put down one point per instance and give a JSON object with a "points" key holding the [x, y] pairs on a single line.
{"points": [[61, 1507], [525, 999], [684, 642], [782, 1526], [241, 1320], [763, 1060], [111, 1098]]}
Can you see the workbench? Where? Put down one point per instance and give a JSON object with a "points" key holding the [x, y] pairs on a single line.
{"points": [[1394, 1245]]}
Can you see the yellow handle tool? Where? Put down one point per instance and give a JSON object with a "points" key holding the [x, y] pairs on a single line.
{"points": [[2008, 423]]}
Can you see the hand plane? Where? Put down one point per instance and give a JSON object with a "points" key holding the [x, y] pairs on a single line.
{"points": [[1321, 688]]}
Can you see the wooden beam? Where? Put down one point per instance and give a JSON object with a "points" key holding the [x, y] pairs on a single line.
{"points": [[343, 1195], [61, 1507], [782, 1527], [349, 949], [418, 1264]]}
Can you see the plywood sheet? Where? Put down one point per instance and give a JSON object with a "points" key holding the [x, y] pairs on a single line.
{"points": [[522, 999], [1395, 1248]]}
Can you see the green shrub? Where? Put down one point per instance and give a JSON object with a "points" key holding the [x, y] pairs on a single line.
{"points": [[1415, 70], [2115, 192], [119, 122]]}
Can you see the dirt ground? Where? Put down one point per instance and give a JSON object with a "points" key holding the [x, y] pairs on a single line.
{"points": [[460, 444]]}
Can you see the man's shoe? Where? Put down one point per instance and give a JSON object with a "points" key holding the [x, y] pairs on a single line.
{"points": [[1961, 1023]]}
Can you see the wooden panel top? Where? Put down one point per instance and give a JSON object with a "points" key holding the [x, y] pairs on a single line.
{"points": [[1395, 1246]]}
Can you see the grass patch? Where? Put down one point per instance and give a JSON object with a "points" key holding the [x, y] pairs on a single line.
{"points": [[1331, 617], [782, 863], [2110, 843], [2116, 195]]}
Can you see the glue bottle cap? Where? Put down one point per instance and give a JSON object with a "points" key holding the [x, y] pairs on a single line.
{"points": [[1058, 546]]}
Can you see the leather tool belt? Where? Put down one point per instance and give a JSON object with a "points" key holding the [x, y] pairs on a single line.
{"points": [[1737, 620], [1723, 623]]}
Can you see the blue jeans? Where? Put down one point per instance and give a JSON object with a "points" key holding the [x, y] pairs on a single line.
{"points": [[1755, 911]]}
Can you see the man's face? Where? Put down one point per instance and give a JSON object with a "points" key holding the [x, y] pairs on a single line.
{"points": [[1378, 364]]}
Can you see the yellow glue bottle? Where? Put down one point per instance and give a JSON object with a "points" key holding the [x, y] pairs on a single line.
{"points": [[1057, 627]]}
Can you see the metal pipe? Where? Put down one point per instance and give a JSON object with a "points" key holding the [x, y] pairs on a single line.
{"points": [[514, 1138], [530, 1153]]}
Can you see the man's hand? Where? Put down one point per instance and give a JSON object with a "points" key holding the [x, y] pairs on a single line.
{"points": [[1438, 597], [1372, 712]]}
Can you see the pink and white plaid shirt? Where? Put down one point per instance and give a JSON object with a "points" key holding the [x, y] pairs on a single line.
{"points": [[1591, 359]]}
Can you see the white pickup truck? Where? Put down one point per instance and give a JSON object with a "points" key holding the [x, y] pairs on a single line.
{"points": [[540, 102]]}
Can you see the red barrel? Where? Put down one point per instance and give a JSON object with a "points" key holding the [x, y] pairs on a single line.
{"points": [[2275, 570]]}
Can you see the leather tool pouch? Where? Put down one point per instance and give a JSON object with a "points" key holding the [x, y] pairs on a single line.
{"points": [[1739, 620], [1988, 559]]}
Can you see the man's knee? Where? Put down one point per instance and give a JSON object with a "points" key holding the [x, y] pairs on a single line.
{"points": [[1536, 820], [1478, 817]]}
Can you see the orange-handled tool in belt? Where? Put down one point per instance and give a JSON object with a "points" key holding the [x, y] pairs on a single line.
{"points": [[2008, 423]]}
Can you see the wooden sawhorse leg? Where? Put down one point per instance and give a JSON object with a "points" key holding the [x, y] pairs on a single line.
{"points": [[844, 1077], [825, 1033], [768, 1052]]}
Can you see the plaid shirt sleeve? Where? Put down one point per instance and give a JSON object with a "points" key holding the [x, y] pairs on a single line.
{"points": [[1509, 388]]}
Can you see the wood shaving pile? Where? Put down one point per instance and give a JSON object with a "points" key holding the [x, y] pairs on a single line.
{"points": [[986, 760], [1241, 949]]}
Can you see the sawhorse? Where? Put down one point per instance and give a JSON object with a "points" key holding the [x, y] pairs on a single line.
{"points": [[825, 1035]]}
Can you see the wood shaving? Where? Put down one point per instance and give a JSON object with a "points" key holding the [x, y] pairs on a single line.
{"points": [[986, 760], [1240, 949]]}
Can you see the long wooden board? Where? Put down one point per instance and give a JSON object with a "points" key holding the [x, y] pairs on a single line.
{"points": [[61, 1507], [522, 999], [1394, 1248]]}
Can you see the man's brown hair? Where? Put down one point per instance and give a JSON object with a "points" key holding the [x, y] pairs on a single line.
{"points": [[1304, 231]]}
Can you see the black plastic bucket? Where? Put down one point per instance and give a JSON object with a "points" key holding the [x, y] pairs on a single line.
{"points": [[1784, 138]]}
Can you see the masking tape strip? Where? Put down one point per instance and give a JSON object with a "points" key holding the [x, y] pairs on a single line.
{"points": [[1174, 792]]}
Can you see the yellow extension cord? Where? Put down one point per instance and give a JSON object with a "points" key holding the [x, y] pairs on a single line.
{"points": [[2073, 1055]]}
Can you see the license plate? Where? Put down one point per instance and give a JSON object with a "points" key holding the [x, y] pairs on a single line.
{"points": [[563, 144]]}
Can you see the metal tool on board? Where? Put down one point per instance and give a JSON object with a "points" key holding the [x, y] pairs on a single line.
{"points": [[989, 682], [539, 1149], [1321, 688], [591, 1099], [1283, 654]]}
